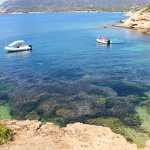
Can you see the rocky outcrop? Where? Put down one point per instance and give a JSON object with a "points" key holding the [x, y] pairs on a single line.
{"points": [[129, 14], [139, 20], [32, 135]]}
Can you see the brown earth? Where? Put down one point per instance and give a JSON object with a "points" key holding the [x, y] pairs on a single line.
{"points": [[31, 135]]}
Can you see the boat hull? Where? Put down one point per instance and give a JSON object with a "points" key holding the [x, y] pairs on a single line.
{"points": [[24, 48], [104, 42]]}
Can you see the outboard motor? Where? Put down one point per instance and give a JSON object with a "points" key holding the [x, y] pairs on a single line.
{"points": [[30, 46], [108, 42]]}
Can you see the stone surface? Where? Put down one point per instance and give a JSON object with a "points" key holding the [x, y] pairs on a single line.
{"points": [[139, 21], [31, 135]]}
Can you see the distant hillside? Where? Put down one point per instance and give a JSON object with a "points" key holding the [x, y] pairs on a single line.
{"points": [[26, 6]]}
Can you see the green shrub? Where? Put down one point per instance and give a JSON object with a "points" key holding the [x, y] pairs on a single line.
{"points": [[134, 10], [146, 10], [5, 134]]}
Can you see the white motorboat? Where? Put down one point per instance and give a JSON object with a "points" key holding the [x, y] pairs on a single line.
{"points": [[104, 41], [19, 47]]}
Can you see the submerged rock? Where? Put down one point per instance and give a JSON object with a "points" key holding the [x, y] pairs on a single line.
{"points": [[121, 21], [121, 106], [32, 116]]}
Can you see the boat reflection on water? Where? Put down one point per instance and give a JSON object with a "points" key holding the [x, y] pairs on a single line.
{"points": [[104, 46], [18, 53]]}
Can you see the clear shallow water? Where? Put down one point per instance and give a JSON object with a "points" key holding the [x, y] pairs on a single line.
{"points": [[69, 77]]}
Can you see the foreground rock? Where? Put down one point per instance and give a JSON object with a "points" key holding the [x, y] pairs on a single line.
{"points": [[32, 135], [139, 20]]}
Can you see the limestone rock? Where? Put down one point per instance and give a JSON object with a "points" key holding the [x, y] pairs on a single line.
{"points": [[138, 20], [22, 125], [34, 136]]}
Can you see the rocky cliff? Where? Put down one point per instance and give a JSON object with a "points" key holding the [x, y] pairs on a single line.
{"points": [[31, 135], [139, 20]]}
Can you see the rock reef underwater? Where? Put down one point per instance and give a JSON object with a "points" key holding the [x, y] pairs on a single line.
{"points": [[122, 105]]}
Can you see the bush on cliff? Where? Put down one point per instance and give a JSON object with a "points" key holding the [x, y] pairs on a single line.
{"points": [[5, 134], [146, 10], [135, 10]]}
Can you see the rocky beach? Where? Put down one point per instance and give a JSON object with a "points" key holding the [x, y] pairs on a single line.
{"points": [[32, 135], [139, 20]]}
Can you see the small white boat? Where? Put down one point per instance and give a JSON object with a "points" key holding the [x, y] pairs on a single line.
{"points": [[104, 41], [19, 47]]}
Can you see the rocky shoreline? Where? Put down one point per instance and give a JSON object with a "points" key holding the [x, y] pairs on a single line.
{"points": [[139, 20], [32, 135]]}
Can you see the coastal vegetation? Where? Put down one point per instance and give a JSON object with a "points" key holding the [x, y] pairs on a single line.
{"points": [[143, 10], [135, 10], [147, 9], [5, 134]]}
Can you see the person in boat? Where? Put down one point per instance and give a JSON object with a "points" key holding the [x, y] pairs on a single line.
{"points": [[99, 37], [18, 46], [104, 39]]}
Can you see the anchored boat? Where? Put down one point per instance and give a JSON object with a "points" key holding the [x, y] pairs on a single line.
{"points": [[104, 41], [19, 47]]}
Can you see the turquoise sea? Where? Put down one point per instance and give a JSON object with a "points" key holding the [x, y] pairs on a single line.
{"points": [[68, 77]]}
